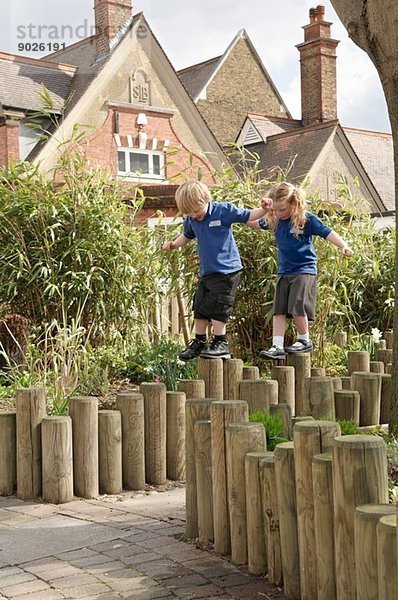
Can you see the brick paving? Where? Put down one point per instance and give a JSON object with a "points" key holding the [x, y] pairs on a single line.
{"points": [[129, 546]]}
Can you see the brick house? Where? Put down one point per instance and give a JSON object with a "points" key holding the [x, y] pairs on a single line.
{"points": [[316, 146], [121, 85]]}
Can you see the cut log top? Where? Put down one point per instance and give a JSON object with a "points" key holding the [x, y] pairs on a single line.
{"points": [[195, 401], [8, 413], [369, 512], [367, 374], [255, 456], [268, 459], [152, 385], [244, 426], [128, 395], [229, 403], [357, 441], [109, 412], [284, 447], [83, 399], [311, 425], [322, 458], [57, 418]]}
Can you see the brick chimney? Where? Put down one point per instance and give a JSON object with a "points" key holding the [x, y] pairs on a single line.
{"points": [[318, 70], [110, 16]]}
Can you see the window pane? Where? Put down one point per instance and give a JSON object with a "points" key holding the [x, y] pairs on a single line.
{"points": [[139, 162], [156, 164], [122, 161]]}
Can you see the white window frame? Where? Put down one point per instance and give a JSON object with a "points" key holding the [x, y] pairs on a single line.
{"points": [[138, 175]]}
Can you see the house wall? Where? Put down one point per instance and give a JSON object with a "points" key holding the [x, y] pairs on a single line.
{"points": [[335, 165], [9, 142], [238, 88]]}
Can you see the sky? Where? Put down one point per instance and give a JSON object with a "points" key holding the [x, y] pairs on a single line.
{"points": [[191, 31]]}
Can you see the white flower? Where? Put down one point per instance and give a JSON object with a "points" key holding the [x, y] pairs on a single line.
{"points": [[376, 335], [389, 302]]}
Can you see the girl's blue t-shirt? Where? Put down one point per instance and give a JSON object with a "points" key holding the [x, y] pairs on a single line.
{"points": [[217, 249], [296, 255]]}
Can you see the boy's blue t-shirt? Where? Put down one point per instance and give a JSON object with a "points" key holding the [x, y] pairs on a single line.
{"points": [[296, 255], [217, 248]]}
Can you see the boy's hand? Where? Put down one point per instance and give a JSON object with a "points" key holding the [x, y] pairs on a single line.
{"points": [[347, 251], [168, 246], [266, 203]]}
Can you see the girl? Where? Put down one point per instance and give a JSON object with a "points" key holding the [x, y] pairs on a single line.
{"points": [[295, 293]]}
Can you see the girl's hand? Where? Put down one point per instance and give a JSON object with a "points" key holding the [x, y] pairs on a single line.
{"points": [[168, 246], [266, 203], [347, 251]]}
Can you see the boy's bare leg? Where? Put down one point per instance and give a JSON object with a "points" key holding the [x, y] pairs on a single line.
{"points": [[201, 326], [219, 328]]}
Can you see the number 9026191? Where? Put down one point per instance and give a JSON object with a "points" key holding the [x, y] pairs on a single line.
{"points": [[41, 46]]}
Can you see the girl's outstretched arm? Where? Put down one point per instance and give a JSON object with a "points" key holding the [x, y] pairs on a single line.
{"points": [[338, 241]]}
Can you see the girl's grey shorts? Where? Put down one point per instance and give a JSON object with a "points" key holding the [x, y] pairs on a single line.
{"points": [[295, 295]]}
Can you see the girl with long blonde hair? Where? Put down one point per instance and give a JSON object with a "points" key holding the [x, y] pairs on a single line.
{"points": [[294, 227]]}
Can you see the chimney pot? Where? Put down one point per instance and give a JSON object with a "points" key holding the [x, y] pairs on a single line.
{"points": [[320, 12], [312, 15]]}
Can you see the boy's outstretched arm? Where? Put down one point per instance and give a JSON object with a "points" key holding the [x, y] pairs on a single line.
{"points": [[178, 243], [257, 213], [338, 241]]}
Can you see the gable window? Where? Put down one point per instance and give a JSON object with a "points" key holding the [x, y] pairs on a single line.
{"points": [[135, 164]]}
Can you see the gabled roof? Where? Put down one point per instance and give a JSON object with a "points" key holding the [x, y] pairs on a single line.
{"points": [[22, 79], [257, 128], [90, 80], [305, 149], [197, 77], [376, 153], [299, 147]]}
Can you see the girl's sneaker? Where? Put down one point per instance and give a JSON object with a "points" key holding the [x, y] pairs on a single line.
{"points": [[274, 353], [300, 346]]}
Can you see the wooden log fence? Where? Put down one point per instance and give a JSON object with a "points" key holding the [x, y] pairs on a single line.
{"points": [[8, 453]]}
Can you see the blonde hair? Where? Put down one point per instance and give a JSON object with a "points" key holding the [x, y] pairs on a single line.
{"points": [[191, 196], [295, 197]]}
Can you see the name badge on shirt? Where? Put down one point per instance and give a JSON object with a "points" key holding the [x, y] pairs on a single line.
{"points": [[215, 223]]}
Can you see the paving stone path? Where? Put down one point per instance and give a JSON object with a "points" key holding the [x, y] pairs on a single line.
{"points": [[113, 547]]}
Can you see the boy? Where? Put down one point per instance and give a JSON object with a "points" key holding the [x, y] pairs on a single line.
{"points": [[220, 265]]}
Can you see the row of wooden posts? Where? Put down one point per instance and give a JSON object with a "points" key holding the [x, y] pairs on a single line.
{"points": [[313, 514], [142, 441]]}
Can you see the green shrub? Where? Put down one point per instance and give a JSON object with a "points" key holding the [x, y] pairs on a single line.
{"points": [[273, 426]]}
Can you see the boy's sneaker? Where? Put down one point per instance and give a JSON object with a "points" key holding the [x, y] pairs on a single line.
{"points": [[193, 350], [218, 349], [300, 346], [274, 353]]}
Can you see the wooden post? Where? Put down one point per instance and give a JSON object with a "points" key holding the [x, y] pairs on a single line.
{"points": [[250, 372], [389, 368], [387, 557], [271, 518], [359, 477], [385, 398], [285, 378], [320, 397], [318, 372], [346, 404], [155, 432], [285, 413], [345, 382], [258, 393], [384, 356], [358, 360], [340, 338], [365, 535], [222, 413], [310, 438], [57, 459], [302, 370], [110, 451], [389, 337], [175, 437], [376, 366], [337, 383], [183, 320], [30, 410], [232, 374], [192, 388], [256, 551], [84, 413], [202, 434], [241, 438], [131, 407], [197, 409], [211, 371], [369, 387], [324, 525], [286, 494], [8, 453]]}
